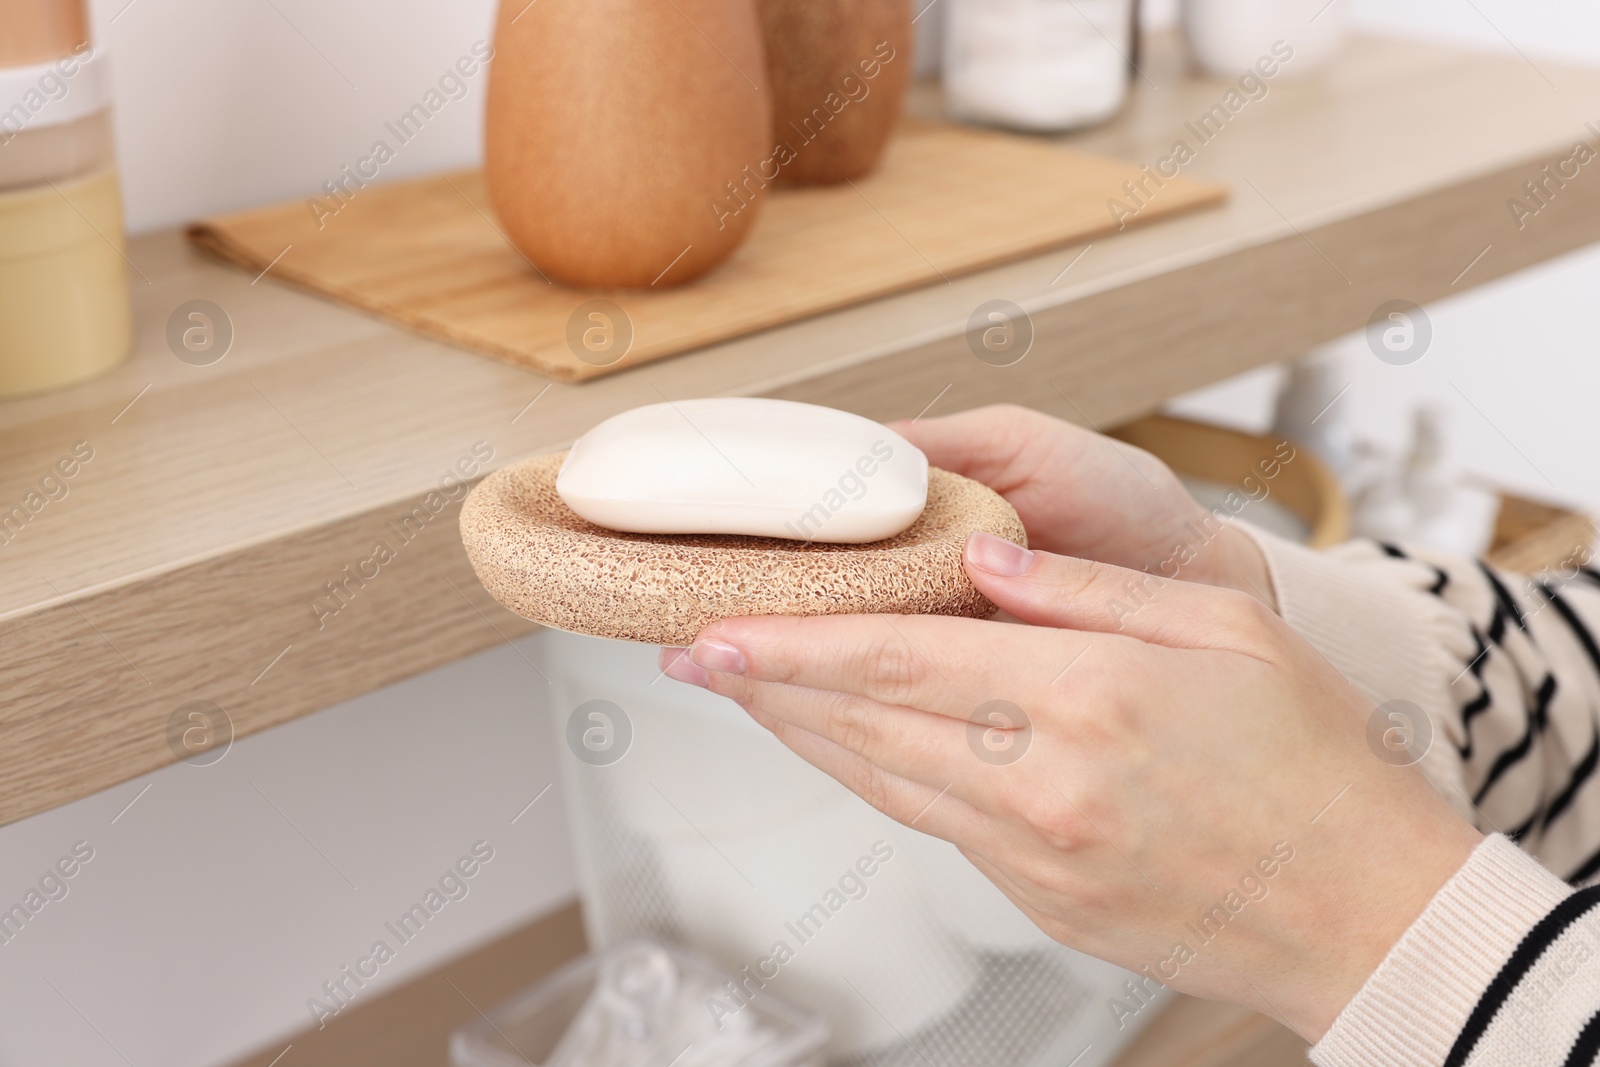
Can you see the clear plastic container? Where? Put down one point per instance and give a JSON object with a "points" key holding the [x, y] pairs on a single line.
{"points": [[692, 825], [527, 1029]]}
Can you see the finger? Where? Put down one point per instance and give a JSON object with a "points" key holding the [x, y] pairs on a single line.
{"points": [[939, 664], [921, 807], [918, 746], [989, 444], [974, 760], [1045, 589], [676, 664]]}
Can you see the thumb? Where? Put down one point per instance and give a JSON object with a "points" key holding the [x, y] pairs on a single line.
{"points": [[984, 445], [1046, 589]]}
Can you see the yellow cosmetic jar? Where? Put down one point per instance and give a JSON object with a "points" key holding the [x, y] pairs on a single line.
{"points": [[64, 310]]}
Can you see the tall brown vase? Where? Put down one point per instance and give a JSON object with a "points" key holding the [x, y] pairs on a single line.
{"points": [[839, 70], [623, 138]]}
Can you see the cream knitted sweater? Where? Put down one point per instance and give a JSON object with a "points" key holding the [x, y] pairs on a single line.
{"points": [[1503, 967]]}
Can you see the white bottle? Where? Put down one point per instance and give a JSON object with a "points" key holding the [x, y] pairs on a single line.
{"points": [[1312, 410], [1036, 64], [1423, 498], [1228, 37]]}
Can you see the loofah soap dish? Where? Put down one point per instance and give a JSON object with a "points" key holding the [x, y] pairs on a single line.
{"points": [[538, 558]]}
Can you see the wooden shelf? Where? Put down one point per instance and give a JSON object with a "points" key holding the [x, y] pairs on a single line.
{"points": [[186, 557]]}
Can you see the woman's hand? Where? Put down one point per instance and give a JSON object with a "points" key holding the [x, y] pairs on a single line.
{"points": [[1190, 796], [1079, 493]]}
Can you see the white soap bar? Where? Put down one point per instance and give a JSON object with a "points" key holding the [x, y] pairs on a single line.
{"points": [[740, 465]]}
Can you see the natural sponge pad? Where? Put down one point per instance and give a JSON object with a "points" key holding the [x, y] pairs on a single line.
{"points": [[538, 558]]}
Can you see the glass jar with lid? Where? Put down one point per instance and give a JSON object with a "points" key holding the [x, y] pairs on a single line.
{"points": [[1041, 65]]}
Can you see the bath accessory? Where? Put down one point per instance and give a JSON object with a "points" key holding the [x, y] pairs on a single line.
{"points": [[540, 559], [746, 465]]}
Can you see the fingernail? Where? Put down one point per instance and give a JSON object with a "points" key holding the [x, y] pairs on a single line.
{"points": [[716, 655], [997, 555], [676, 664]]}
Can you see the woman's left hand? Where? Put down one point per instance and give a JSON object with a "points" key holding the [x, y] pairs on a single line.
{"points": [[1184, 788]]}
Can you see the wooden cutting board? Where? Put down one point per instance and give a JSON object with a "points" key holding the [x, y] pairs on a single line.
{"points": [[946, 200]]}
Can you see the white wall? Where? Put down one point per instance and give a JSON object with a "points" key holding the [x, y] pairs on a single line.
{"points": [[206, 920], [219, 902], [1512, 362], [226, 105]]}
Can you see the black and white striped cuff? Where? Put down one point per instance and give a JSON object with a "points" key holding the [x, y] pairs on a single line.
{"points": [[1502, 968]]}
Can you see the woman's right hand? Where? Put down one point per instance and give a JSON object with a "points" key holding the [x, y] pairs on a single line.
{"points": [[1082, 494]]}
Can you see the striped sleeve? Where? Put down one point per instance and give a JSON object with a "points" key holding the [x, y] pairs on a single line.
{"points": [[1506, 668], [1502, 969]]}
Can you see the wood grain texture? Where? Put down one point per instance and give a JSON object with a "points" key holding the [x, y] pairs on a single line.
{"points": [[1305, 487], [946, 201], [134, 649], [1203, 1033], [410, 1026], [221, 498], [1531, 536], [537, 557]]}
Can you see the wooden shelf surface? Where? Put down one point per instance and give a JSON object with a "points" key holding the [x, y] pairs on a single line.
{"points": [[186, 557]]}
